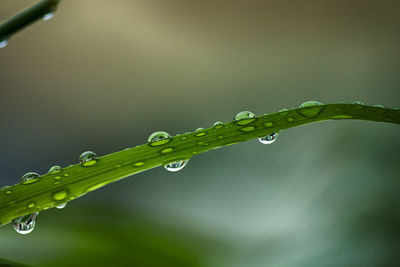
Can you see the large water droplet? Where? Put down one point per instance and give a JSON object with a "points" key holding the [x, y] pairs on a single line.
{"points": [[269, 139], [159, 138], [3, 43], [176, 166], [25, 224], [48, 16], [87, 158], [54, 170], [29, 178], [310, 104], [244, 115]]}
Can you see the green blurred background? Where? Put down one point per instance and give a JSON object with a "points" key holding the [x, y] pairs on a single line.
{"points": [[103, 75]]}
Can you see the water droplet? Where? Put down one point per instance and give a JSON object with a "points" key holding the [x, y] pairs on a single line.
{"points": [[54, 170], [310, 108], [29, 178], [310, 104], [176, 166], [60, 195], [269, 139], [48, 16], [202, 143], [183, 138], [31, 205], [220, 136], [57, 182], [268, 124], [201, 133], [61, 206], [244, 117], [358, 103], [87, 158], [199, 129], [378, 106], [138, 164], [167, 150], [3, 43], [159, 138], [218, 125], [290, 119], [25, 224], [247, 129], [283, 110], [8, 192]]}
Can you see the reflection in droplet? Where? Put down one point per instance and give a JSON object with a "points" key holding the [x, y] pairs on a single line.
{"points": [[48, 16], [87, 158], [269, 139], [176, 166], [25, 224], [54, 170], [30, 178], [159, 138], [3, 43]]}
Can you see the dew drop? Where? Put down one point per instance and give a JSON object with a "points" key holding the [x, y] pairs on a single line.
{"points": [[48, 16], [310, 104], [378, 106], [25, 224], [199, 129], [167, 150], [159, 138], [269, 139], [244, 117], [8, 192], [176, 166], [60, 195], [87, 158], [290, 119], [138, 164], [54, 170], [3, 43], [202, 143], [218, 125], [283, 110], [31, 205], [247, 129], [201, 133], [61, 206], [30, 178], [358, 102], [268, 124]]}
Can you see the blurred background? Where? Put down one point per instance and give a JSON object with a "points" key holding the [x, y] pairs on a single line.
{"points": [[103, 75]]}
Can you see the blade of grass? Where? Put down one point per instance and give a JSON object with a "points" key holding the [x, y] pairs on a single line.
{"points": [[50, 190]]}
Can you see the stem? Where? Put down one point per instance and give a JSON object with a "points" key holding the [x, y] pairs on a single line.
{"points": [[53, 189], [26, 17]]}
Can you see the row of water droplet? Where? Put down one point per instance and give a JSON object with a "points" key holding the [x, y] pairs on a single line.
{"points": [[25, 224]]}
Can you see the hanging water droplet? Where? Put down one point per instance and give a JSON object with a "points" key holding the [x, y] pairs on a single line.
{"points": [[176, 166], [61, 206], [48, 16], [30, 177], [54, 170], [25, 224], [159, 138], [269, 139], [87, 158], [310, 104], [3, 43]]}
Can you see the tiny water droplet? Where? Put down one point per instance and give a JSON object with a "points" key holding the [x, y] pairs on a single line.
{"points": [[61, 206], [268, 124], [54, 170], [244, 115], [159, 138], [283, 109], [310, 104], [247, 129], [200, 133], [176, 166], [48, 16], [199, 129], [87, 158], [25, 224], [3, 43], [167, 150], [138, 164], [378, 106], [8, 192], [358, 102], [29, 178], [31, 205], [269, 139], [218, 125], [290, 119]]}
